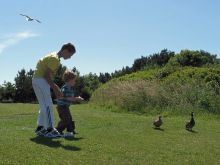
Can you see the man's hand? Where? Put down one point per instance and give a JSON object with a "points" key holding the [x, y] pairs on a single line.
{"points": [[57, 92], [47, 75]]}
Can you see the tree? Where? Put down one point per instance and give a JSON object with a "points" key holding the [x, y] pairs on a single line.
{"points": [[195, 58], [1, 92], [157, 59], [161, 58], [104, 77], [91, 83], [8, 91], [86, 85], [139, 63], [23, 85]]}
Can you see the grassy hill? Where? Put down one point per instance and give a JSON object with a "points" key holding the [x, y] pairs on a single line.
{"points": [[107, 137], [167, 84], [171, 88]]}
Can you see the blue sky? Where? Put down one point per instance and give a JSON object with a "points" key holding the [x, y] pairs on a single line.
{"points": [[107, 34]]}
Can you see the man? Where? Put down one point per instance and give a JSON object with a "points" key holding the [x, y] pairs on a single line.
{"points": [[42, 82]]}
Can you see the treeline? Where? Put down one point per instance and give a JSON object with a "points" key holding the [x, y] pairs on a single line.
{"points": [[21, 90]]}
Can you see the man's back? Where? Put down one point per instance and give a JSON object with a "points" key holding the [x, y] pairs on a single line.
{"points": [[50, 61]]}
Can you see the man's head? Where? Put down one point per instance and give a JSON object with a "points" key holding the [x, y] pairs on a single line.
{"points": [[69, 77], [67, 50]]}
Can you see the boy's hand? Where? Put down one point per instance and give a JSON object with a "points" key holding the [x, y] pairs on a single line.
{"points": [[79, 98]]}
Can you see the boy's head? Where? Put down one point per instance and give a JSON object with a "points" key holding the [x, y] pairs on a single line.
{"points": [[67, 50], [69, 77]]}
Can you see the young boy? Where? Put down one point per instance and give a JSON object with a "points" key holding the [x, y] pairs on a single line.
{"points": [[42, 82], [66, 121]]}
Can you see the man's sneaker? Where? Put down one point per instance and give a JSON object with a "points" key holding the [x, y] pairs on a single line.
{"points": [[75, 132], [40, 131], [38, 128], [68, 134], [53, 134]]}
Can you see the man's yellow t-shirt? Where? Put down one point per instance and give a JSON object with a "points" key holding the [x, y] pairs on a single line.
{"points": [[50, 61]]}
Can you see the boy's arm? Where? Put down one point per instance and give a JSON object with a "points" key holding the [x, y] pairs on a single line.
{"points": [[75, 98], [47, 75]]}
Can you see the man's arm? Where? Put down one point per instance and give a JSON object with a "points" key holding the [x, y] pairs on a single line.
{"points": [[48, 74]]}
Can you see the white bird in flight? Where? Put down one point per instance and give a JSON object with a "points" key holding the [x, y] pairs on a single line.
{"points": [[29, 18]]}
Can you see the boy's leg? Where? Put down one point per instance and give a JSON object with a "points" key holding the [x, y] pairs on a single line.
{"points": [[63, 119], [74, 127], [70, 124], [73, 124]]}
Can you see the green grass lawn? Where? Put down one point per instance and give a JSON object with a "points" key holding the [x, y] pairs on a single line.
{"points": [[108, 138]]}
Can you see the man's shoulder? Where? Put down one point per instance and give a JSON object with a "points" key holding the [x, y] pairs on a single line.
{"points": [[52, 56], [51, 60]]}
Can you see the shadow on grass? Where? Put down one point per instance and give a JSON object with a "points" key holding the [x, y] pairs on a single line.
{"points": [[73, 138], [159, 129], [192, 131], [54, 143]]}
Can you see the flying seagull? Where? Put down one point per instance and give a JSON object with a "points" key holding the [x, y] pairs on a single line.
{"points": [[29, 18]]}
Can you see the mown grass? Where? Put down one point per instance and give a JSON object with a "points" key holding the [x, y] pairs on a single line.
{"points": [[106, 137]]}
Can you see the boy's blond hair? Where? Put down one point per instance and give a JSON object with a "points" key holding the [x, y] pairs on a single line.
{"points": [[68, 75]]}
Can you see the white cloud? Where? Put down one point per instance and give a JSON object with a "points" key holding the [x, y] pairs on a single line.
{"points": [[13, 39]]}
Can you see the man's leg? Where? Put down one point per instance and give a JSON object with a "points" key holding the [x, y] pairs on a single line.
{"points": [[40, 130], [42, 91]]}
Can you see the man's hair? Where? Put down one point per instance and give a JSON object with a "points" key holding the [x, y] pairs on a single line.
{"points": [[68, 75], [70, 47]]}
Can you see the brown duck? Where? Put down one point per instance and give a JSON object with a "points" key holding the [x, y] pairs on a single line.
{"points": [[158, 122], [191, 123]]}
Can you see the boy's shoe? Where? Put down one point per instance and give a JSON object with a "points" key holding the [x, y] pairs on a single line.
{"points": [[53, 134], [68, 134], [40, 131]]}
